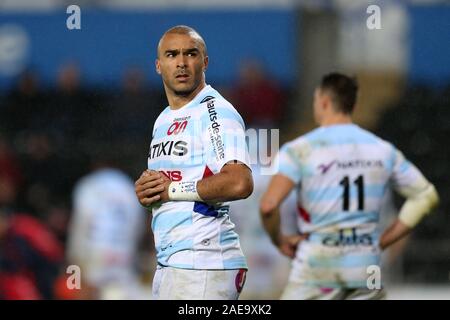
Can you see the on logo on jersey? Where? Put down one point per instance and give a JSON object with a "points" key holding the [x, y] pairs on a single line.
{"points": [[177, 127]]}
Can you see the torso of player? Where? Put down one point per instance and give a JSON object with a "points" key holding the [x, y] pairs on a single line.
{"points": [[188, 145], [344, 174]]}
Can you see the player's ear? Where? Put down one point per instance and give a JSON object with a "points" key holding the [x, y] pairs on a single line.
{"points": [[157, 66], [326, 101], [205, 63]]}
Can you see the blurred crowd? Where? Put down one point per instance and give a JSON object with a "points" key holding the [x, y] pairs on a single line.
{"points": [[419, 123]]}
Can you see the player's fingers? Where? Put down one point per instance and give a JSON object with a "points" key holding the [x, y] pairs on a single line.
{"points": [[151, 184], [148, 185], [151, 191], [296, 239], [289, 252], [286, 250], [147, 178], [141, 177], [151, 200]]}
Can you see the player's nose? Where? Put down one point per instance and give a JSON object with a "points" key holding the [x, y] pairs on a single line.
{"points": [[181, 61]]}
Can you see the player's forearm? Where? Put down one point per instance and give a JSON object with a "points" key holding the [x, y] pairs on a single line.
{"points": [[233, 182], [396, 231], [417, 205], [270, 216], [225, 186]]}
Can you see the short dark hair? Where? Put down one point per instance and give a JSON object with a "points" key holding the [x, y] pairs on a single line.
{"points": [[343, 89]]}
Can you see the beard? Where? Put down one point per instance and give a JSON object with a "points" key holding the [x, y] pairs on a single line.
{"points": [[186, 90], [183, 93]]}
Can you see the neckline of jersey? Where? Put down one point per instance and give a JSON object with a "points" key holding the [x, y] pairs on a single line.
{"points": [[190, 103]]}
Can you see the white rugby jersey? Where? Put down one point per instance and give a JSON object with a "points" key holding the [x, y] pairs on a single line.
{"points": [[341, 174], [189, 144]]}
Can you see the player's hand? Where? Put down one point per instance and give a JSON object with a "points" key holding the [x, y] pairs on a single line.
{"points": [[149, 186], [288, 244], [164, 195]]}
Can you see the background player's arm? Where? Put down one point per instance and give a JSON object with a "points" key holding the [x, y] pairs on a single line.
{"points": [[421, 198], [279, 188]]}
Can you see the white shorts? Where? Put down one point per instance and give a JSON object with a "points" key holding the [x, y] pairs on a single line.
{"points": [[187, 284], [298, 291]]}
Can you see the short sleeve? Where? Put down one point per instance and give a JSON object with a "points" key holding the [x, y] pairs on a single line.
{"points": [[406, 178], [288, 163], [223, 135]]}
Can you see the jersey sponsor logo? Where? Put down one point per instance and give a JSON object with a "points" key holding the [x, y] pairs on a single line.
{"points": [[350, 164], [214, 131], [207, 98], [359, 164], [167, 148], [325, 167], [177, 127], [348, 237], [173, 175]]}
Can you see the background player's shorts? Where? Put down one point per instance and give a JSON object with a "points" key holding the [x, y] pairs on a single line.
{"points": [[181, 284], [296, 291], [332, 271]]}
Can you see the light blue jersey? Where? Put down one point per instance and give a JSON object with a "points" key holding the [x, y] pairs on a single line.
{"points": [[341, 174], [188, 144]]}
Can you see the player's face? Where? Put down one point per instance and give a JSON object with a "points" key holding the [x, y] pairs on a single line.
{"points": [[181, 63]]}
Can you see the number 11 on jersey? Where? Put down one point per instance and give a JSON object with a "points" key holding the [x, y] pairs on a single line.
{"points": [[345, 183]]}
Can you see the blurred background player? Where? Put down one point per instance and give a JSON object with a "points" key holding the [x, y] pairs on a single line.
{"points": [[106, 226], [341, 172], [199, 143]]}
